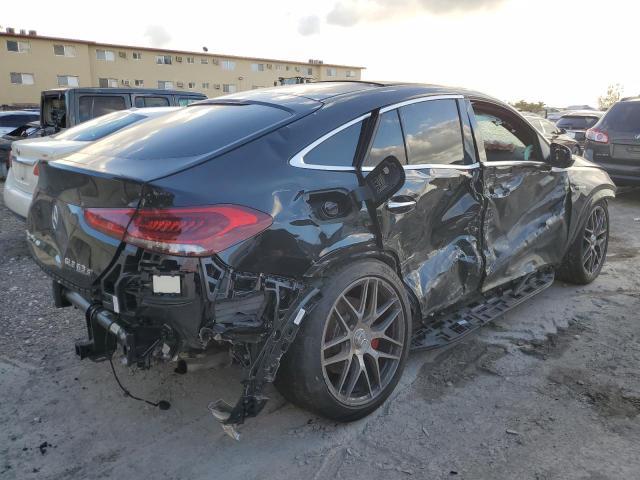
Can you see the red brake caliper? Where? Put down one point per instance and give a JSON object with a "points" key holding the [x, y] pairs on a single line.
{"points": [[375, 343]]}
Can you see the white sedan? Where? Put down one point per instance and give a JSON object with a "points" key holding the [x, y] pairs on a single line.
{"points": [[26, 154]]}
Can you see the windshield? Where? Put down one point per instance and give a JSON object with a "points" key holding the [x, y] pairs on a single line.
{"points": [[623, 117], [577, 123], [100, 127]]}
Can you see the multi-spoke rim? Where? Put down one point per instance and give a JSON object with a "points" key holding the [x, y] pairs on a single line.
{"points": [[363, 341], [594, 243]]}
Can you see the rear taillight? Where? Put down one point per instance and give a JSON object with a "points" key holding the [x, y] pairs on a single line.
{"points": [[36, 169], [598, 136], [186, 231]]}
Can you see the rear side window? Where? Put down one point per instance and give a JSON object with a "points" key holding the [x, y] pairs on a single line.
{"points": [[432, 133], [623, 117], [388, 140], [184, 101], [338, 150], [152, 102], [95, 106], [577, 123], [188, 132]]}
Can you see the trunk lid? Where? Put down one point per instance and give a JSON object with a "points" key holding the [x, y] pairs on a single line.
{"points": [[59, 238], [28, 152]]}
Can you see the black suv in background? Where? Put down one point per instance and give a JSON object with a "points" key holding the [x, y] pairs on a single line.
{"points": [[614, 142], [66, 107], [576, 123]]}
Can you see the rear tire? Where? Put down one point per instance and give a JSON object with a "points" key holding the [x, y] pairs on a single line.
{"points": [[587, 254], [331, 367]]}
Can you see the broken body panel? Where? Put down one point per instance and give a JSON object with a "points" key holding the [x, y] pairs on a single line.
{"points": [[465, 236]]}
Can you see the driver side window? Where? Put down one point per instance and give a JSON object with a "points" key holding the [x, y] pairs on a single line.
{"points": [[502, 140]]}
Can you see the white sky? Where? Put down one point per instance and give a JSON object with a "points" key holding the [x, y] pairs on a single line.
{"points": [[561, 52]]}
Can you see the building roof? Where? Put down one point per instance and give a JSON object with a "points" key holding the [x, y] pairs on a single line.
{"points": [[181, 52]]}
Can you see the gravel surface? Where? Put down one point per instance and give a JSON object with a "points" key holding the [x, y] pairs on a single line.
{"points": [[549, 391]]}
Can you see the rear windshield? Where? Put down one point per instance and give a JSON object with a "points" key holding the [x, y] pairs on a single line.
{"points": [[188, 132], [577, 123], [100, 127], [54, 111], [623, 117], [17, 119]]}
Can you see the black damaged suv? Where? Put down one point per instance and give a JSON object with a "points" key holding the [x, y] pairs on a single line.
{"points": [[320, 230]]}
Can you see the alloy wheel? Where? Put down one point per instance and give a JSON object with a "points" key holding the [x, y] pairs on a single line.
{"points": [[594, 244], [363, 341]]}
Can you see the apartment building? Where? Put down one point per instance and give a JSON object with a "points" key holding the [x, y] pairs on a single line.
{"points": [[30, 63]]}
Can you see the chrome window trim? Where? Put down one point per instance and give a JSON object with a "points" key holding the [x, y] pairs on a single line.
{"points": [[513, 163], [437, 166], [419, 100], [298, 159]]}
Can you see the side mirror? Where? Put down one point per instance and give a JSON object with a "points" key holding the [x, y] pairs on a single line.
{"points": [[561, 156], [382, 182]]}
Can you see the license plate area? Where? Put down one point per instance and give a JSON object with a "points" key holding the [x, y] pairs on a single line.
{"points": [[166, 284]]}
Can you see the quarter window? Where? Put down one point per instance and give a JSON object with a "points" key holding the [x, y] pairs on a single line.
{"points": [[388, 140], [338, 150], [152, 102], [432, 133]]}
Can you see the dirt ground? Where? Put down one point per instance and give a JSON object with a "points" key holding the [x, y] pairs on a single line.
{"points": [[549, 391]]}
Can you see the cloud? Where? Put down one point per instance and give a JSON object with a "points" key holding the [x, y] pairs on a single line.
{"points": [[346, 13], [309, 25], [158, 35]]}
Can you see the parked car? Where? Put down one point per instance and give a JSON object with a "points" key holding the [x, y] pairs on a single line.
{"points": [[29, 130], [12, 119], [575, 124], [614, 142], [323, 232], [27, 156], [66, 107], [552, 133]]}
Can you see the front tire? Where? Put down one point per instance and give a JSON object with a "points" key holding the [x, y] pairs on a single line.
{"points": [[587, 254], [351, 350]]}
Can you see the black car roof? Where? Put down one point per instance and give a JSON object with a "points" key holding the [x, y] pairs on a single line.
{"points": [[307, 96]]}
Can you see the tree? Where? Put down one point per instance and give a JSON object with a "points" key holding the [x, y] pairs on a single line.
{"points": [[614, 92], [525, 106]]}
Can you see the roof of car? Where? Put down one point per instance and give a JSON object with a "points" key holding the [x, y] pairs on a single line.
{"points": [[583, 113], [154, 111], [299, 96]]}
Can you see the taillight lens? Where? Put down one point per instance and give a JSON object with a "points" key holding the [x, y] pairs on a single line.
{"points": [[185, 231], [36, 169], [597, 135]]}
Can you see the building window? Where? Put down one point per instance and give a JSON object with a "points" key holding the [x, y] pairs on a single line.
{"points": [[278, 66], [125, 83], [257, 67], [350, 74], [138, 83], [180, 84], [331, 72], [122, 55], [309, 71], [205, 85], [106, 55], [228, 65], [136, 56], [163, 59], [108, 82], [68, 81], [191, 60], [204, 61], [228, 88], [18, 46], [21, 78], [287, 67], [165, 85], [191, 85], [64, 50]]}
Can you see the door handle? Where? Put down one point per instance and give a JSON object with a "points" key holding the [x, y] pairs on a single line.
{"points": [[400, 206]]}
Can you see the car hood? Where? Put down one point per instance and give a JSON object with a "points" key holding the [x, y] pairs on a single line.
{"points": [[46, 148]]}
